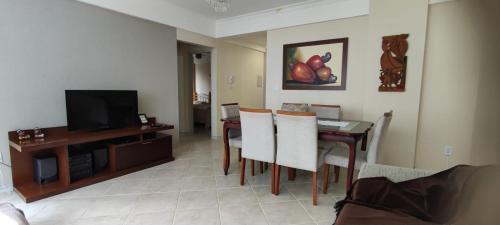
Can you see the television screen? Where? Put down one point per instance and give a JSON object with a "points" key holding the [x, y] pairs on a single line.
{"points": [[96, 110]]}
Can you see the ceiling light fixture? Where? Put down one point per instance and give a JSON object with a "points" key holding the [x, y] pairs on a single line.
{"points": [[219, 5]]}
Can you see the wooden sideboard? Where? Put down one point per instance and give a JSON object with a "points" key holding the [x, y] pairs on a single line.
{"points": [[143, 147]]}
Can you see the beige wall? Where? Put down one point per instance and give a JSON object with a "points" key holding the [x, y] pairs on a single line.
{"points": [[361, 100], [485, 147], [389, 17], [351, 99], [460, 89], [245, 65]]}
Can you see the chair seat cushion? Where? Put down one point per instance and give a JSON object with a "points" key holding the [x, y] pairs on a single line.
{"points": [[235, 142], [339, 156]]}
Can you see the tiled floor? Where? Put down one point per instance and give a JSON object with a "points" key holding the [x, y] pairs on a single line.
{"points": [[189, 191]]}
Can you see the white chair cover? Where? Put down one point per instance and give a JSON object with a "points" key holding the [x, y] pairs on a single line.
{"points": [[297, 142], [258, 139]]}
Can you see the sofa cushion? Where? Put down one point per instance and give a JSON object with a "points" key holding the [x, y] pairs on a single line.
{"points": [[432, 199]]}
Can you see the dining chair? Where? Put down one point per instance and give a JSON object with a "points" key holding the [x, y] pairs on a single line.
{"points": [[326, 112], [339, 155], [297, 146], [231, 110], [258, 138], [295, 107]]}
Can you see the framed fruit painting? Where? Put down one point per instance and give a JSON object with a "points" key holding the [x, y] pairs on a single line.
{"points": [[317, 65]]}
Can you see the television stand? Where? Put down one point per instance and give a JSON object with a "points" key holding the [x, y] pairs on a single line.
{"points": [[149, 149]]}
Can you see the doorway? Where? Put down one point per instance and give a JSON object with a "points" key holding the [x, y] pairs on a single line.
{"points": [[195, 89]]}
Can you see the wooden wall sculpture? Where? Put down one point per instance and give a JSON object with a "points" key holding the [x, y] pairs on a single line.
{"points": [[393, 63]]}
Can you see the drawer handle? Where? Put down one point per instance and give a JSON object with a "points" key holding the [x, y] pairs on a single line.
{"points": [[147, 142]]}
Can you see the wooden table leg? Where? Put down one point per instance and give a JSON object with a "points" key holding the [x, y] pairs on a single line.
{"points": [[350, 167], [326, 173], [226, 148]]}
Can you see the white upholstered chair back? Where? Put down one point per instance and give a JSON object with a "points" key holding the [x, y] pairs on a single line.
{"points": [[326, 111], [379, 132], [257, 130], [295, 107], [297, 140], [230, 110]]}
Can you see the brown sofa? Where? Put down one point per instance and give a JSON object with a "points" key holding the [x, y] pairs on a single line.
{"points": [[400, 196]]}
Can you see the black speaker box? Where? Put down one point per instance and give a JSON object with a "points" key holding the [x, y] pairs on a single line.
{"points": [[45, 169], [100, 159]]}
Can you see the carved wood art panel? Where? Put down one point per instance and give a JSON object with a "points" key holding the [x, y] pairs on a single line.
{"points": [[393, 63]]}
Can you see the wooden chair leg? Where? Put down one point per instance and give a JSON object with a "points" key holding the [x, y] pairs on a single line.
{"points": [[242, 173], [277, 170], [239, 155], [315, 188], [326, 175], [291, 177], [272, 178], [261, 167], [337, 173], [252, 165]]}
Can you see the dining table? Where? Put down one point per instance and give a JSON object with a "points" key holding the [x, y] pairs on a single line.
{"points": [[349, 132]]}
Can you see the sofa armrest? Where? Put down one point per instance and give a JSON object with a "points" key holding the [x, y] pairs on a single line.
{"points": [[393, 173]]}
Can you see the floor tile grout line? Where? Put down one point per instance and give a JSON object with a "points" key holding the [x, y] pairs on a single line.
{"points": [[307, 212], [260, 205], [176, 207], [218, 207]]}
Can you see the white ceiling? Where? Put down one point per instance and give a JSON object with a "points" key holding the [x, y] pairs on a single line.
{"points": [[237, 7]]}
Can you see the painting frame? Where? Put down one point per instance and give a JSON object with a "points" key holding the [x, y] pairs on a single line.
{"points": [[303, 86]]}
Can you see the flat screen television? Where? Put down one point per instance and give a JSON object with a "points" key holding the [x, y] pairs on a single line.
{"points": [[98, 110]]}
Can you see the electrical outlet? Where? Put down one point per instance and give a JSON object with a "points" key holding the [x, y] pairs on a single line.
{"points": [[448, 151]]}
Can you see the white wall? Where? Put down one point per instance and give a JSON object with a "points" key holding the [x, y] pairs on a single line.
{"points": [[53, 45]]}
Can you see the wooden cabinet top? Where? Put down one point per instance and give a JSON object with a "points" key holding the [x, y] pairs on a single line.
{"points": [[60, 136]]}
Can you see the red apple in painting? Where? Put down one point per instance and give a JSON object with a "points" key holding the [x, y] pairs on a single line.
{"points": [[303, 73], [315, 62], [324, 73]]}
